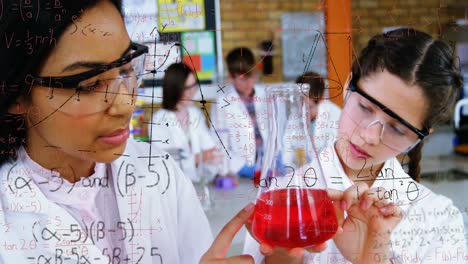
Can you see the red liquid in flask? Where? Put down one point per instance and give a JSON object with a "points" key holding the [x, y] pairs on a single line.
{"points": [[294, 217]]}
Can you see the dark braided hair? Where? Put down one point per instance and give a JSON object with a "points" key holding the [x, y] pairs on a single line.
{"points": [[415, 155]]}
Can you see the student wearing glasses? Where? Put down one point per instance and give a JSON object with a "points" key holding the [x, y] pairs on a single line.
{"points": [[403, 84], [324, 114], [180, 126], [239, 115], [73, 187]]}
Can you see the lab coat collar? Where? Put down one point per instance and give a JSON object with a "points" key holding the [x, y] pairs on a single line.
{"points": [[60, 190], [125, 170], [34, 211]]}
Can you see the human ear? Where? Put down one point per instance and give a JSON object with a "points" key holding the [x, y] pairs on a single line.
{"points": [[19, 107], [431, 130]]}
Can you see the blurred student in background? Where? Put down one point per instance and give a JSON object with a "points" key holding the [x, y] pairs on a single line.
{"points": [[324, 114], [239, 115], [179, 127]]}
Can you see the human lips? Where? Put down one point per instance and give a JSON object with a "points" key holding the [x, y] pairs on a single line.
{"points": [[358, 152], [116, 137]]}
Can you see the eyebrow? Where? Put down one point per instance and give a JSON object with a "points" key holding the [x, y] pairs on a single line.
{"points": [[421, 132], [92, 64]]}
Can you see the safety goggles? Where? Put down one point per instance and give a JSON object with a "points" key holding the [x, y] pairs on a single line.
{"points": [[396, 133], [95, 90]]}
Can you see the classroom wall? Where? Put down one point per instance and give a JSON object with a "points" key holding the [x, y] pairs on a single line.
{"points": [[248, 22], [369, 17]]}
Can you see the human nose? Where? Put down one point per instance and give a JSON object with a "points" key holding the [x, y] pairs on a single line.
{"points": [[372, 133], [192, 93], [124, 101]]}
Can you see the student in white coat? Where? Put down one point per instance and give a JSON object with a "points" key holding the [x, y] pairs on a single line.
{"points": [[239, 115], [179, 127], [73, 188], [324, 114], [403, 84]]}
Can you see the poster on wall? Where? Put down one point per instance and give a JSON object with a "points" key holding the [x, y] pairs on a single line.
{"points": [[181, 15], [303, 44], [199, 53], [140, 19]]}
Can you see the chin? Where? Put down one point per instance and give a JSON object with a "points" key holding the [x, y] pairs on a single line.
{"points": [[353, 163], [347, 158], [108, 155], [361, 164]]}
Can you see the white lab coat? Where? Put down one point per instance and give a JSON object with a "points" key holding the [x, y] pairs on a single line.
{"points": [[168, 134], [161, 215], [326, 124], [431, 231], [234, 126]]}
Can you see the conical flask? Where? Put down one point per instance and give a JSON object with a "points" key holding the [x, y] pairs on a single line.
{"points": [[292, 209]]}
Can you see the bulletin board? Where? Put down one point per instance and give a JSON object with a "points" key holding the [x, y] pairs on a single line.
{"points": [[181, 15], [303, 44], [166, 26], [199, 53]]}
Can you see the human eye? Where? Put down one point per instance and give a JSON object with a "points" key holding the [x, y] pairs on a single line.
{"points": [[90, 87], [365, 107], [126, 70], [397, 129]]}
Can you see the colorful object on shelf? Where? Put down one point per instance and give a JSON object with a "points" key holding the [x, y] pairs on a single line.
{"points": [[138, 124], [199, 53]]}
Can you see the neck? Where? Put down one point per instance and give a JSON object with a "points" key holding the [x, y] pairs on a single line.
{"points": [[247, 94], [181, 113], [52, 158], [181, 108]]}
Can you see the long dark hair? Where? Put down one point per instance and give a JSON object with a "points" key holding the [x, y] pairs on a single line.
{"points": [[19, 58], [417, 59], [174, 84]]}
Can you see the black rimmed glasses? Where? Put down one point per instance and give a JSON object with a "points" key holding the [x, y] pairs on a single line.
{"points": [[396, 132], [94, 90]]}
